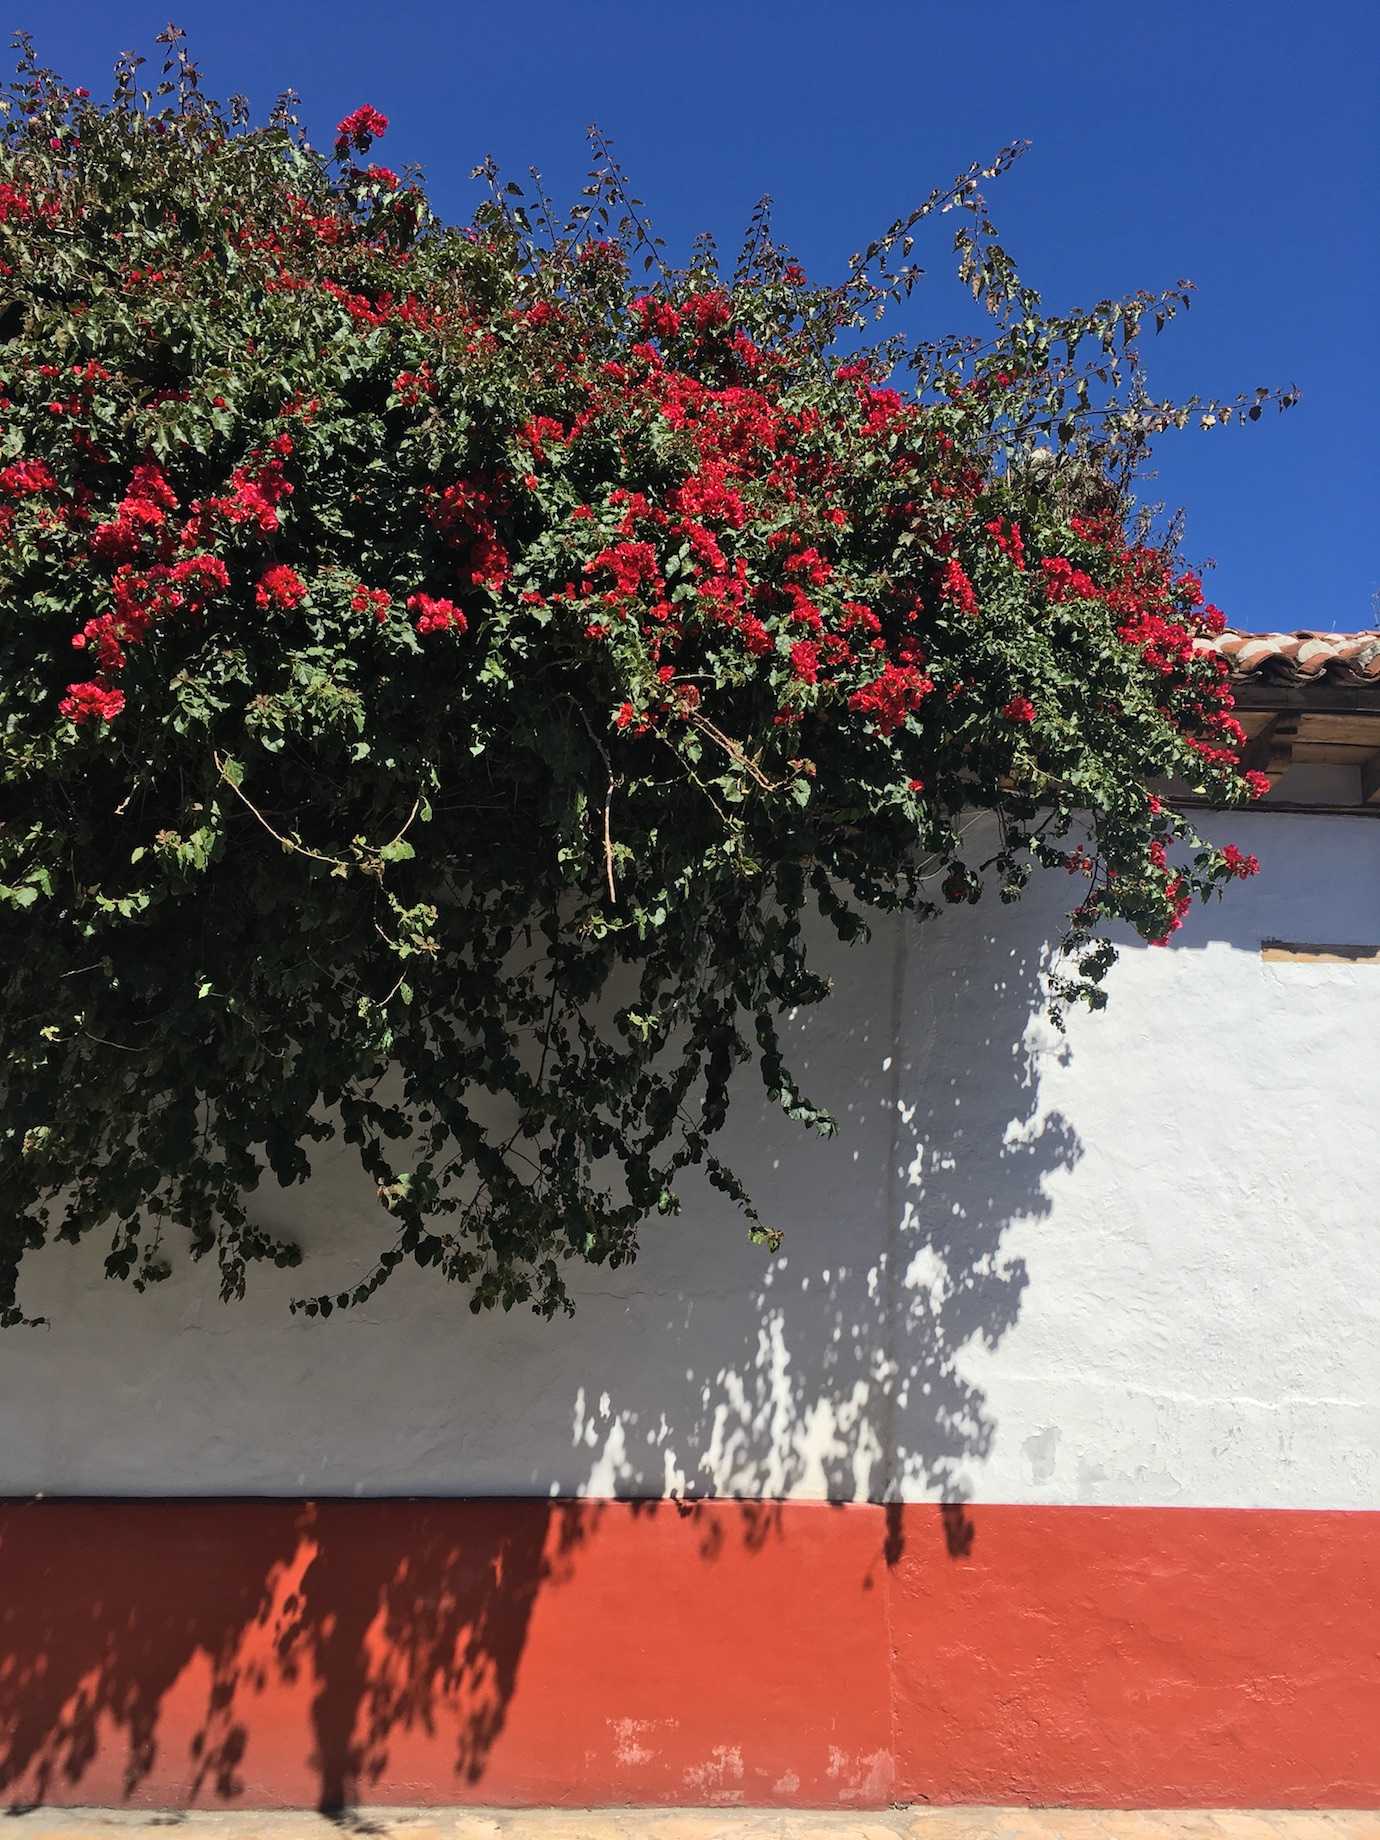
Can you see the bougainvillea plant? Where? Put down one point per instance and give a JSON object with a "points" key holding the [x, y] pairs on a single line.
{"points": [[448, 671]]}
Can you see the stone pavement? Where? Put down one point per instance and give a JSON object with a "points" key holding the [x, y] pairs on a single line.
{"points": [[698, 1824]]}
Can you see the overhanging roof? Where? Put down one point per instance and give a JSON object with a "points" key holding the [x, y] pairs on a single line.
{"points": [[1308, 669], [1309, 700]]}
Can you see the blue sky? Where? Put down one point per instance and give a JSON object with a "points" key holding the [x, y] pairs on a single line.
{"points": [[1235, 144]]}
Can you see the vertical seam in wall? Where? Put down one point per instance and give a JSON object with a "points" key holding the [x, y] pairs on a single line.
{"points": [[891, 1241], [893, 1716], [891, 1481]]}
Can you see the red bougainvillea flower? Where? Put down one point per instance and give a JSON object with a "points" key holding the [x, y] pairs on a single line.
{"points": [[657, 318], [1240, 865], [435, 615], [805, 661], [1019, 709], [360, 129], [890, 698], [23, 476], [379, 599], [1063, 582], [1008, 540], [91, 702], [955, 587], [280, 587], [708, 311]]}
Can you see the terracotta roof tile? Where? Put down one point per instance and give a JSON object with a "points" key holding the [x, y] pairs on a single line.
{"points": [[1300, 657]]}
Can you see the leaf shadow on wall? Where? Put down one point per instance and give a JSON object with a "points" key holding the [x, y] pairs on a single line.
{"points": [[841, 1372], [145, 1640], [193, 1651]]}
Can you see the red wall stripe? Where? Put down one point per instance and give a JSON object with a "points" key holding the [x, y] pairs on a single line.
{"points": [[261, 1653], [1144, 1657]]}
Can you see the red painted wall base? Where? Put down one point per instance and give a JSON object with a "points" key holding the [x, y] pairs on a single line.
{"points": [[512, 1652]]}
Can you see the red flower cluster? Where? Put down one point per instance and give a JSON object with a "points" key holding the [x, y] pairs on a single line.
{"points": [[26, 476], [435, 615], [1240, 865], [956, 588], [91, 702], [16, 205], [657, 318], [466, 514], [630, 565], [1019, 710], [280, 587], [889, 699], [805, 661], [1008, 540], [539, 429], [256, 491], [540, 313], [360, 129], [708, 311], [143, 597], [627, 718], [1064, 582], [411, 386], [364, 598], [143, 509], [707, 494]]}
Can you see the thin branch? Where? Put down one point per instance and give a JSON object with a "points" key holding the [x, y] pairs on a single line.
{"points": [[113, 1044], [608, 844], [614, 782], [291, 843], [288, 843], [407, 824], [736, 752]]}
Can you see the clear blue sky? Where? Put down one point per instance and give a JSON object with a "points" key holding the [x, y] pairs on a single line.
{"points": [[1237, 144]]}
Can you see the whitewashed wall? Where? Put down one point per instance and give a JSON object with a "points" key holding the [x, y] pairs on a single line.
{"points": [[1136, 1264]]}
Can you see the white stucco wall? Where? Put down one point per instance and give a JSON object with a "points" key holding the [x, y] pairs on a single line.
{"points": [[1138, 1264]]}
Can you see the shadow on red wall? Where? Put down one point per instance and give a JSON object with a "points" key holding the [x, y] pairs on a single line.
{"points": [[786, 1654], [278, 1653], [297, 1616]]}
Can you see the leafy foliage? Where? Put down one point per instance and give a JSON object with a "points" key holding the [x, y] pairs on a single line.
{"points": [[443, 674]]}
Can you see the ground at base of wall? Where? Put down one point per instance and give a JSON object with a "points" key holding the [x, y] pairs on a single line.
{"points": [[704, 1824]]}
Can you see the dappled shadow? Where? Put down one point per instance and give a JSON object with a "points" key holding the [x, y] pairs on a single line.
{"points": [[149, 1638], [841, 1370], [199, 1649]]}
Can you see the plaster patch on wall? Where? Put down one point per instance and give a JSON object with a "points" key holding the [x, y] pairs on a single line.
{"points": [[715, 1777], [1041, 1451], [629, 1749], [866, 1779]]}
